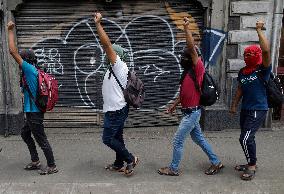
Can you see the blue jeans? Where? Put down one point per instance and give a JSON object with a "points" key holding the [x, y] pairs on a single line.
{"points": [[113, 135], [190, 125]]}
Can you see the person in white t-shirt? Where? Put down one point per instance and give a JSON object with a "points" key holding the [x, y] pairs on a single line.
{"points": [[115, 107]]}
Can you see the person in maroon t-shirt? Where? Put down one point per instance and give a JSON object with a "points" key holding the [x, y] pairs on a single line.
{"points": [[189, 98]]}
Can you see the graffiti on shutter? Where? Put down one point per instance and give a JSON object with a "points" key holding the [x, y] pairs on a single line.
{"points": [[64, 38]]}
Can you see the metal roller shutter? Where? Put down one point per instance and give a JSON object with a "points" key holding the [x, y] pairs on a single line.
{"points": [[63, 35]]}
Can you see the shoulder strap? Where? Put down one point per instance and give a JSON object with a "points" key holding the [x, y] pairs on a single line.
{"points": [[30, 94], [182, 76], [240, 72], [191, 73], [260, 76], [111, 71], [193, 76], [28, 89]]}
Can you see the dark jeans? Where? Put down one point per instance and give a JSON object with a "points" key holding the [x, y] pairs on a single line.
{"points": [[113, 135], [250, 121], [34, 125]]}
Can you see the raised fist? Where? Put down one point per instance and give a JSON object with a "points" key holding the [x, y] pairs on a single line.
{"points": [[10, 25], [260, 25], [186, 22], [97, 17]]}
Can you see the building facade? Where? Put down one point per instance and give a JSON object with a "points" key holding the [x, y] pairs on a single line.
{"points": [[63, 36]]}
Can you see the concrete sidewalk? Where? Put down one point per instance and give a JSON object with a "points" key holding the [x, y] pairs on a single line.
{"points": [[81, 158]]}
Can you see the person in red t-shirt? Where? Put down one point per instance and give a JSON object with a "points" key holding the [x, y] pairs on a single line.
{"points": [[189, 97]]}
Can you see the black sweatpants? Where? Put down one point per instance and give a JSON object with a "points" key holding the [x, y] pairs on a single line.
{"points": [[34, 125], [250, 122]]}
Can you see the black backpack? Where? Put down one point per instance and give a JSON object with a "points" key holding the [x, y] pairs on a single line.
{"points": [[209, 92], [134, 93], [274, 90]]}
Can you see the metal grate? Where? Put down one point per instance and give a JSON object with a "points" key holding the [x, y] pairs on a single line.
{"points": [[64, 37]]}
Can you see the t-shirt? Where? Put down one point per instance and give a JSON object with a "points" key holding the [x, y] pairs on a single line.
{"points": [[189, 96], [253, 89], [112, 93], [31, 76]]}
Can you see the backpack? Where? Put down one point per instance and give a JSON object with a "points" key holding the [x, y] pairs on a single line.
{"points": [[274, 90], [209, 93], [47, 94], [134, 93]]}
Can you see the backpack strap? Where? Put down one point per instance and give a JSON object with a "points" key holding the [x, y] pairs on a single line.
{"points": [[111, 71], [260, 76], [30, 94], [182, 76], [29, 91], [193, 76]]}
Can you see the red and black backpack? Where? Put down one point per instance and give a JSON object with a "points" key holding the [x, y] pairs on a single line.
{"points": [[47, 94]]}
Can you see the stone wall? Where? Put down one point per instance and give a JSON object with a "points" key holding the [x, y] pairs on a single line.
{"points": [[241, 33], [11, 111]]}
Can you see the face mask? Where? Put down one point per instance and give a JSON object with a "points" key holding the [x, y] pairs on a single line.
{"points": [[185, 62], [251, 61], [253, 56]]}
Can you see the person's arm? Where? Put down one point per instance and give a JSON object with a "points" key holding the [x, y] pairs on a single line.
{"points": [[12, 46], [236, 100], [172, 108], [264, 45], [111, 54], [190, 41]]}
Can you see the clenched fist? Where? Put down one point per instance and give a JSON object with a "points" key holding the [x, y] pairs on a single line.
{"points": [[97, 17], [259, 25], [11, 25], [186, 22]]}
